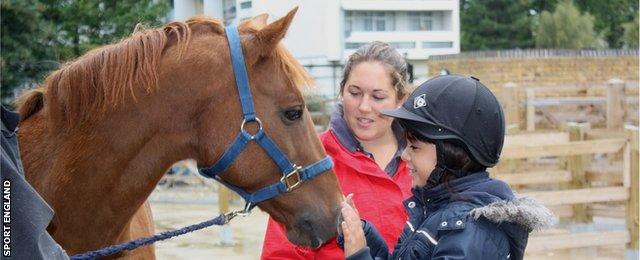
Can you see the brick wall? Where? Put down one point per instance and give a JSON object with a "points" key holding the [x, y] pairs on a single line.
{"points": [[541, 67]]}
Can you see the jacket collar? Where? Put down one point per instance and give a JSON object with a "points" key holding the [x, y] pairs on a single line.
{"points": [[444, 192], [339, 127], [10, 121]]}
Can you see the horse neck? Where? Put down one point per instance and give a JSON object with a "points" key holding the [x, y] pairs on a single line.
{"points": [[100, 175]]}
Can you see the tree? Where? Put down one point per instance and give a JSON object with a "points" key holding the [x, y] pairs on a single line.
{"points": [[27, 53], [495, 24], [609, 16], [37, 34], [631, 33], [83, 25], [566, 28]]}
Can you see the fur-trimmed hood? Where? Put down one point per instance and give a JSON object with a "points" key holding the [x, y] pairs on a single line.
{"points": [[477, 197], [523, 211], [493, 200]]}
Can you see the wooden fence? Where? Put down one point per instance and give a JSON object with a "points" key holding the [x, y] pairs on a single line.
{"points": [[618, 98], [577, 190]]}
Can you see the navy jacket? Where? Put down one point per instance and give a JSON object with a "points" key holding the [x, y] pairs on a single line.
{"points": [[475, 217], [29, 213]]}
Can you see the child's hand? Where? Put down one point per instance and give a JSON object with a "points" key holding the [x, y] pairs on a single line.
{"points": [[354, 239]]}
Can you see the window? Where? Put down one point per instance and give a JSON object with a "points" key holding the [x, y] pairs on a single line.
{"points": [[403, 45], [379, 18], [437, 45], [420, 21], [353, 45], [368, 21], [245, 5], [379, 25]]}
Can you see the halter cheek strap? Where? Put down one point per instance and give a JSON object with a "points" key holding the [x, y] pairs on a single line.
{"points": [[292, 175]]}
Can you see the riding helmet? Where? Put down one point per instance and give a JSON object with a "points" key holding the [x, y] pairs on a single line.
{"points": [[456, 108]]}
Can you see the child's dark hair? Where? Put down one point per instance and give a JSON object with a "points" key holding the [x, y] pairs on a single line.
{"points": [[456, 158]]}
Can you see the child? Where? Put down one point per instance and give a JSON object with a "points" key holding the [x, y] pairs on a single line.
{"points": [[455, 130]]}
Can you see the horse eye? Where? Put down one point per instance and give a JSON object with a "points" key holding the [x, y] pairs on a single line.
{"points": [[293, 114]]}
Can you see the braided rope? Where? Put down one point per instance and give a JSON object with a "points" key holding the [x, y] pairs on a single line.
{"points": [[219, 220]]}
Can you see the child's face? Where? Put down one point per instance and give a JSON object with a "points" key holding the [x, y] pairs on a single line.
{"points": [[421, 158]]}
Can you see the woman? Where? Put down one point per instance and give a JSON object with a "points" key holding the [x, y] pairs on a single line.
{"points": [[455, 130], [365, 146]]}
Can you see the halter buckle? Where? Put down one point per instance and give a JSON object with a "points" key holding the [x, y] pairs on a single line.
{"points": [[292, 177]]}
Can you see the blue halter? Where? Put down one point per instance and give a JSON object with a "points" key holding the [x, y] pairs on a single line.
{"points": [[293, 175]]}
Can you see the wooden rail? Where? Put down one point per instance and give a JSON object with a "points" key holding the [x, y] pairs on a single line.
{"points": [[616, 96], [581, 194], [545, 243], [573, 148], [575, 196]]}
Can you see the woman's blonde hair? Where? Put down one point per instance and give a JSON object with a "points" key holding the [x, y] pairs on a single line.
{"points": [[388, 56]]}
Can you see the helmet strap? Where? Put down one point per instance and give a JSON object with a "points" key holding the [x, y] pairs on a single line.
{"points": [[435, 178]]}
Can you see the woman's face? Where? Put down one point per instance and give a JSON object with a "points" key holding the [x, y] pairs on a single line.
{"points": [[368, 90], [421, 158]]}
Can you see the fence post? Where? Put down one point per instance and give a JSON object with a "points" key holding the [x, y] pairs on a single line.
{"points": [[615, 110], [511, 104], [531, 110], [224, 199], [615, 104], [632, 183], [577, 165]]}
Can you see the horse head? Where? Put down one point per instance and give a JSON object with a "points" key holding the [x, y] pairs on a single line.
{"points": [[308, 212], [100, 133]]}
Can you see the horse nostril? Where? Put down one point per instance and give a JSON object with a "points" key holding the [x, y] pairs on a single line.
{"points": [[306, 223]]}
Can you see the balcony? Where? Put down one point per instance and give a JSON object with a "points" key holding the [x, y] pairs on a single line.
{"points": [[416, 44], [400, 5]]}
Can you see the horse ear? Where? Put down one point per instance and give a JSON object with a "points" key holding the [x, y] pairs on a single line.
{"points": [[260, 20], [268, 37]]}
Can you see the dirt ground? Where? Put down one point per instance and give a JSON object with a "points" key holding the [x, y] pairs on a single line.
{"points": [[173, 209], [177, 207]]}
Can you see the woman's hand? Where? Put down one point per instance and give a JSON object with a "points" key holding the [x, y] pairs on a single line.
{"points": [[354, 239]]}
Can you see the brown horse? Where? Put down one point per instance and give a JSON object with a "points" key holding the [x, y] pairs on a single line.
{"points": [[100, 133]]}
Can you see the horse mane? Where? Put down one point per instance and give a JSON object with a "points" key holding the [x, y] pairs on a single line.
{"points": [[108, 77], [297, 75]]}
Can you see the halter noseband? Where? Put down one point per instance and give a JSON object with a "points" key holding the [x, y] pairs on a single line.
{"points": [[292, 175]]}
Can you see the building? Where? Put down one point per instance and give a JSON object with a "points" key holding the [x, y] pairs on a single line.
{"points": [[325, 32]]}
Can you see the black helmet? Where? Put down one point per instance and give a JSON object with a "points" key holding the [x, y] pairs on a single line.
{"points": [[456, 108]]}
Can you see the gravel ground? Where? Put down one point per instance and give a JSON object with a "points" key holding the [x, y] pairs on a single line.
{"points": [[176, 208], [183, 205]]}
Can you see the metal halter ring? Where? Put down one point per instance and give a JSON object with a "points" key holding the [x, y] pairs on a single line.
{"points": [[242, 213], [257, 120]]}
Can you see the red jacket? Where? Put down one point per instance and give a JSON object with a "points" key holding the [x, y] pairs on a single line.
{"points": [[377, 197]]}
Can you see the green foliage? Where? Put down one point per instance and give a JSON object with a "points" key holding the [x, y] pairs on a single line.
{"points": [[566, 28], [507, 25], [315, 102], [609, 16], [37, 34], [83, 25], [495, 24], [631, 33], [27, 52]]}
